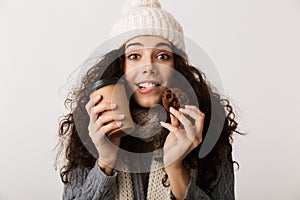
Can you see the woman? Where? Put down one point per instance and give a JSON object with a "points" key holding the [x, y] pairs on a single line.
{"points": [[148, 60]]}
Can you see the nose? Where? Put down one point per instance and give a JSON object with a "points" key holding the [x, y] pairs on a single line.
{"points": [[149, 69], [148, 66]]}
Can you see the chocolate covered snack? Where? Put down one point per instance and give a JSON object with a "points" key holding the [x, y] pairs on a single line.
{"points": [[174, 97]]}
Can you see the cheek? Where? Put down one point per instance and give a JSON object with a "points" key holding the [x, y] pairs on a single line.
{"points": [[129, 65], [168, 74], [169, 79], [125, 68], [130, 79], [127, 75]]}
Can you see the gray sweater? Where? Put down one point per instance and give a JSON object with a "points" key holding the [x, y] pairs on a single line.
{"points": [[94, 184]]}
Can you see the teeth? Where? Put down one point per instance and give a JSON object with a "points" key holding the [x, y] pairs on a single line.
{"points": [[146, 85]]}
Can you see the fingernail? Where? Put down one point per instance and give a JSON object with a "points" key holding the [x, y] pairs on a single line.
{"points": [[113, 105], [162, 123], [120, 116], [119, 124], [96, 98]]}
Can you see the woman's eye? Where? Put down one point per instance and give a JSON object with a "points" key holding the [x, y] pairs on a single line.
{"points": [[134, 56], [163, 57]]}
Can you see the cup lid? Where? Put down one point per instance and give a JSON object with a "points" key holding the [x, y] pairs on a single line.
{"points": [[104, 82]]}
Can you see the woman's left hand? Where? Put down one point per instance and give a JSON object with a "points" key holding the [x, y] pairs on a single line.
{"points": [[180, 142]]}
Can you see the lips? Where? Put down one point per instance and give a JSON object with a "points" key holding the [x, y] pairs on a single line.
{"points": [[148, 86]]}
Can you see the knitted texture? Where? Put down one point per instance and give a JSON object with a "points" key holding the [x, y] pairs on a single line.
{"points": [[131, 4], [147, 125], [146, 17], [95, 185], [156, 190], [148, 120]]}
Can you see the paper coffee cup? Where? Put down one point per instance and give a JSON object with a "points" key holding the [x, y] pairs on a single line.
{"points": [[112, 91]]}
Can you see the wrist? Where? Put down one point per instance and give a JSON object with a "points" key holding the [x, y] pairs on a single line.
{"points": [[174, 168], [179, 180], [107, 170]]}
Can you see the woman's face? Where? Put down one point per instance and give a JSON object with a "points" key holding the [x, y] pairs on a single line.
{"points": [[148, 68]]}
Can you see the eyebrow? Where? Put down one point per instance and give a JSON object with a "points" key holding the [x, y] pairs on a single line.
{"points": [[161, 44], [134, 44]]}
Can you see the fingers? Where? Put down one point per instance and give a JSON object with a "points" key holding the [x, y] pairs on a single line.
{"points": [[102, 123], [110, 127], [105, 119], [194, 133], [188, 126], [92, 102], [94, 107], [194, 108], [181, 141], [174, 121], [192, 111], [196, 114], [96, 110], [170, 127], [175, 130], [101, 131]]}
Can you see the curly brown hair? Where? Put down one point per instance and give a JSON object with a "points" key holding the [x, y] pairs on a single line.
{"points": [[77, 148]]}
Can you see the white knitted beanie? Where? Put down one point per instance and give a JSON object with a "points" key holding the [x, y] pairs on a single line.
{"points": [[146, 17]]}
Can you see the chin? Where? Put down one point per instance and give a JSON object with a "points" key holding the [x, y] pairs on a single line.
{"points": [[147, 103]]}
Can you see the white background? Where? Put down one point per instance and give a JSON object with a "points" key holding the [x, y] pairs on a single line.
{"points": [[254, 44]]}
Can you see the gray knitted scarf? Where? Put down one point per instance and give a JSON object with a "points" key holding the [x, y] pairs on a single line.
{"points": [[147, 137]]}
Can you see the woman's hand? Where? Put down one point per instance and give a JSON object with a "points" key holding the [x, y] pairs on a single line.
{"points": [[99, 126], [180, 142]]}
